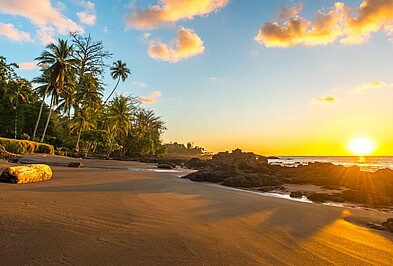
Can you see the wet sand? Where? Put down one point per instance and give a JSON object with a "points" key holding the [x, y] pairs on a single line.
{"points": [[105, 214]]}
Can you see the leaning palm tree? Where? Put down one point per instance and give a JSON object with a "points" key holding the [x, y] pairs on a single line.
{"points": [[18, 92], [60, 65], [119, 71]]}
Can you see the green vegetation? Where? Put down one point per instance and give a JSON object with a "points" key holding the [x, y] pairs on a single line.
{"points": [[66, 109], [178, 149], [25, 146]]}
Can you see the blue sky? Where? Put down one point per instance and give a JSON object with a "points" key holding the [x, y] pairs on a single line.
{"points": [[264, 76]]}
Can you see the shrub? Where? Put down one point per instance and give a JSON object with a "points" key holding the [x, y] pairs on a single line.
{"points": [[25, 146]]}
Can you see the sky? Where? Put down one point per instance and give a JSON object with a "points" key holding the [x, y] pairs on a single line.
{"points": [[273, 77]]}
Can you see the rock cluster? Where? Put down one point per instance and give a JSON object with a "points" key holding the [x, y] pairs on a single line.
{"points": [[26, 174], [385, 226], [246, 170]]}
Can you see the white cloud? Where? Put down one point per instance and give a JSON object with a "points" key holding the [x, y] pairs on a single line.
{"points": [[88, 16], [139, 84], [47, 18], [9, 31], [213, 78]]}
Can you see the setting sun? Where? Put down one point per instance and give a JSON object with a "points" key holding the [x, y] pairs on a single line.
{"points": [[361, 146]]}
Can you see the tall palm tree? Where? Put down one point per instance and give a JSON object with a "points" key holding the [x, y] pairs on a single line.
{"points": [[119, 118], [83, 120], [119, 71], [17, 92], [61, 64]]}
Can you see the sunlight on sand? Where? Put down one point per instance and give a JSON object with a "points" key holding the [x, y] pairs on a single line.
{"points": [[343, 241]]}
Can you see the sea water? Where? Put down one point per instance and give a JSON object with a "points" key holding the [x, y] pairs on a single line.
{"points": [[367, 163]]}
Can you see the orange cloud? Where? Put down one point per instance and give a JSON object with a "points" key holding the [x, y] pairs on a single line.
{"points": [[151, 99], [326, 28], [9, 31], [41, 13], [187, 44], [169, 11], [325, 100]]}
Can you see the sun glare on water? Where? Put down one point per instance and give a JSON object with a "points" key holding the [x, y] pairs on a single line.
{"points": [[361, 146]]}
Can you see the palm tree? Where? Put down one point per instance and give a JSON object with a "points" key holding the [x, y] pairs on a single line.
{"points": [[119, 117], [89, 93], [83, 120], [60, 64], [119, 71], [18, 92]]}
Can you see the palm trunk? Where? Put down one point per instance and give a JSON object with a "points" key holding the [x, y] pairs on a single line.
{"points": [[16, 123], [79, 138], [40, 113], [49, 115], [118, 80]]}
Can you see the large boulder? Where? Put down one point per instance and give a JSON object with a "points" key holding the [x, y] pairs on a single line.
{"points": [[237, 157], [26, 174], [217, 174], [251, 180]]}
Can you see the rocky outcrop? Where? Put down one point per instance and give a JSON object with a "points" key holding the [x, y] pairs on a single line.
{"points": [[243, 169], [384, 226], [75, 164], [26, 174], [166, 166], [296, 194]]}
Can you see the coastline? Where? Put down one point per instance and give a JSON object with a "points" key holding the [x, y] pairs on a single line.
{"points": [[115, 216]]}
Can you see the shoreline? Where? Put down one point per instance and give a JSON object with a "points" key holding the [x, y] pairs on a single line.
{"points": [[115, 217]]}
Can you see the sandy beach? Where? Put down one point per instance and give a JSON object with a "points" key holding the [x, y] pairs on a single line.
{"points": [[127, 213]]}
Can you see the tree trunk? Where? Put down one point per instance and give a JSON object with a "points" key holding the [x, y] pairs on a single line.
{"points": [[79, 138], [118, 80], [40, 113], [16, 122], [49, 115]]}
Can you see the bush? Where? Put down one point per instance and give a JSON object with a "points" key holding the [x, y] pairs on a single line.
{"points": [[25, 146]]}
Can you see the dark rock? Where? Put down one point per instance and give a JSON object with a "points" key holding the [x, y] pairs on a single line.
{"points": [[269, 188], [217, 174], [318, 197], [296, 194], [251, 180], [75, 164], [165, 166], [14, 159]]}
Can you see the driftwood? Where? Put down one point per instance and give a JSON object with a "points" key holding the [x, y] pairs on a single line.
{"points": [[26, 174]]}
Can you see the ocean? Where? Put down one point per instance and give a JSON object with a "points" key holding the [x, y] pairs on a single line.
{"points": [[367, 163]]}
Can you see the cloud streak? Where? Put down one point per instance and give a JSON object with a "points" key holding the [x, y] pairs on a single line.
{"points": [[187, 44], [48, 19], [325, 100], [152, 98], [339, 24], [167, 12], [10, 32], [27, 65]]}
